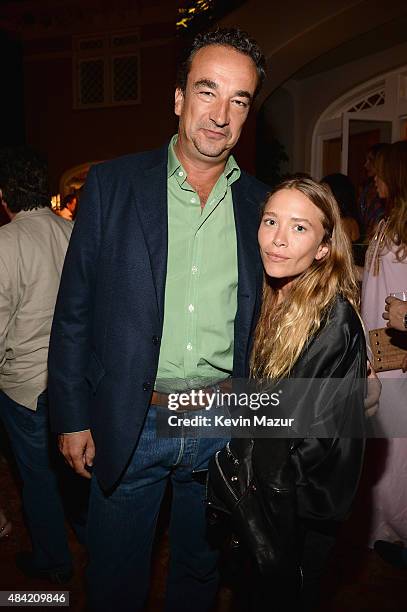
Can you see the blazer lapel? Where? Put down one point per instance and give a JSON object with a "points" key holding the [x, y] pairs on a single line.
{"points": [[151, 195], [249, 271], [247, 220]]}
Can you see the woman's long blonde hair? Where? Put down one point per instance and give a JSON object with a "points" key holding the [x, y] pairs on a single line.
{"points": [[391, 167], [284, 329]]}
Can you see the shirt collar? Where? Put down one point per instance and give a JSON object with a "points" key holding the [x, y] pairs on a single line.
{"points": [[34, 211], [173, 163], [231, 171]]}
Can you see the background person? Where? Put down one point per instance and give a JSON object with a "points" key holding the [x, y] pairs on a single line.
{"points": [[396, 315], [385, 272], [32, 251], [69, 207], [372, 206]]}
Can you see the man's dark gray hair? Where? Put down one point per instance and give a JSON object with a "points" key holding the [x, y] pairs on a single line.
{"points": [[23, 179], [226, 37]]}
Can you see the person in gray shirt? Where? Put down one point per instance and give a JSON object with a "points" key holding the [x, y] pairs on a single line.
{"points": [[32, 252]]}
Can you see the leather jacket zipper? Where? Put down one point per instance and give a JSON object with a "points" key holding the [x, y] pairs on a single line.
{"points": [[224, 477]]}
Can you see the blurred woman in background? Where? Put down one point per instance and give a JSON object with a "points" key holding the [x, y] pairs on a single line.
{"points": [[371, 204], [385, 273]]}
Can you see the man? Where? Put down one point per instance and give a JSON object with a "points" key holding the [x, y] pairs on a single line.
{"points": [[32, 251], [69, 206], [159, 293]]}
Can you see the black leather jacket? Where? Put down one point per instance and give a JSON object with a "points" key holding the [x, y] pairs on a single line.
{"points": [[270, 485]]}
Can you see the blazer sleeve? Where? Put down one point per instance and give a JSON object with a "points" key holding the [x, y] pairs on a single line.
{"points": [[70, 342]]}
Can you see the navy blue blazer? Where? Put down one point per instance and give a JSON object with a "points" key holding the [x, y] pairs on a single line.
{"points": [[105, 338]]}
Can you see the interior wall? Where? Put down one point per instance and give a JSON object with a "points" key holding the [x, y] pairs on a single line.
{"points": [[314, 95], [278, 122], [291, 111]]}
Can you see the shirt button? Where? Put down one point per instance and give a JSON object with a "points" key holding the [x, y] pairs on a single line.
{"points": [[147, 386], [191, 308], [180, 173], [194, 269], [155, 340], [193, 200], [189, 346]]}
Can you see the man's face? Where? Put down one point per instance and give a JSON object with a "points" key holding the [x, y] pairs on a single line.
{"points": [[219, 91], [71, 206]]}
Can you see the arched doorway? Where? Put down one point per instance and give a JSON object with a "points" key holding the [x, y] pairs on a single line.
{"points": [[375, 111]]}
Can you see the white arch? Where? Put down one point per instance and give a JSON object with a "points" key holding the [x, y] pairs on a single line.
{"points": [[382, 98]]}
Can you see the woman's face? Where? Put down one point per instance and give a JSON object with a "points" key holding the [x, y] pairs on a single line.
{"points": [[381, 187], [290, 235], [369, 165]]}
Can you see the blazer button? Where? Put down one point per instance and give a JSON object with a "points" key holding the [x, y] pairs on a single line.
{"points": [[156, 340], [147, 386]]}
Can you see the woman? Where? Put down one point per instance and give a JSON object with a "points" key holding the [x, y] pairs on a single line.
{"points": [[371, 204], [294, 493], [385, 273]]}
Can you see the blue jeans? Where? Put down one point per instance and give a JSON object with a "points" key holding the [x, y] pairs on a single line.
{"points": [[29, 436], [121, 527]]}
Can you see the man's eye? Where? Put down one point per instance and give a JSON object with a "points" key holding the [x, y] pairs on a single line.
{"points": [[206, 93], [270, 221], [240, 103]]}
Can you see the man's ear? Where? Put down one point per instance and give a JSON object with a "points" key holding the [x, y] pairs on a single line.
{"points": [[179, 101]]}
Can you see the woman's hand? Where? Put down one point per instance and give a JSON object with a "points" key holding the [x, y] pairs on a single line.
{"points": [[359, 273], [395, 311], [374, 389]]}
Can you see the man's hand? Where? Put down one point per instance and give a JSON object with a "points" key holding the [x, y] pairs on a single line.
{"points": [[374, 388], [78, 450], [395, 310]]}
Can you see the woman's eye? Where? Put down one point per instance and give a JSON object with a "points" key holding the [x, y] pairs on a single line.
{"points": [[300, 228], [269, 221]]}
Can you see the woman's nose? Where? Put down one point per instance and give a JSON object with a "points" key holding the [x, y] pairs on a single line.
{"points": [[280, 238]]}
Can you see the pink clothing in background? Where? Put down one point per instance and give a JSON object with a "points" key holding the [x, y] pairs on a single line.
{"points": [[389, 494]]}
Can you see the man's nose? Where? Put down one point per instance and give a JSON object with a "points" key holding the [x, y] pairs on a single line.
{"points": [[220, 113]]}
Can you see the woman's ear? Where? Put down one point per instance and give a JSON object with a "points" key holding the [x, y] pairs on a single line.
{"points": [[322, 251]]}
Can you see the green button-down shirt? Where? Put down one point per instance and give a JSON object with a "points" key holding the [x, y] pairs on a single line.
{"points": [[201, 285]]}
